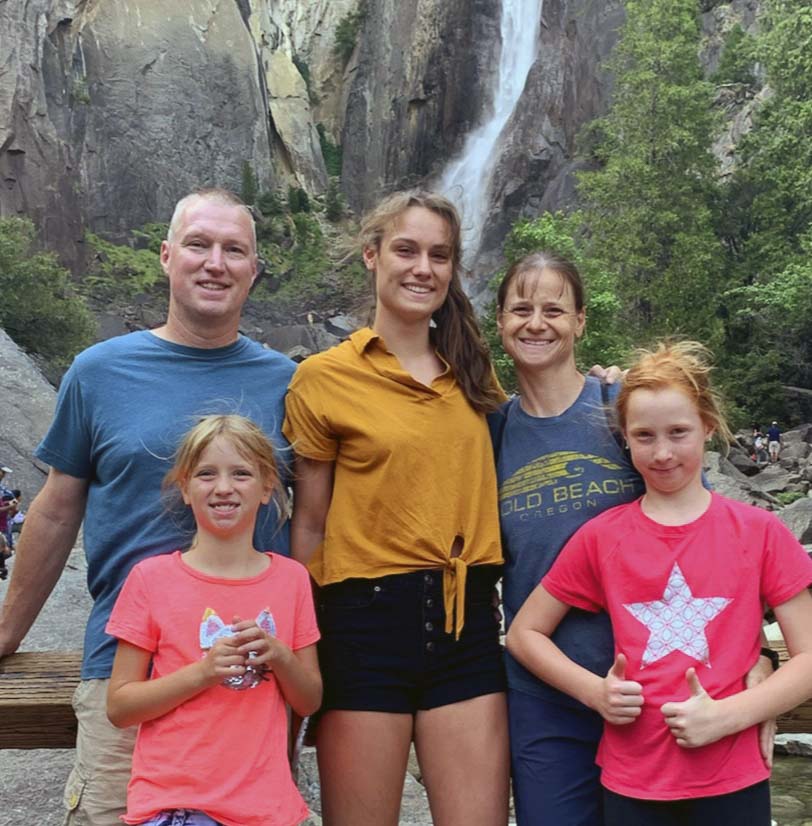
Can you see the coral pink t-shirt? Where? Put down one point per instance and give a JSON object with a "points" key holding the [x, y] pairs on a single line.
{"points": [[690, 595], [223, 752]]}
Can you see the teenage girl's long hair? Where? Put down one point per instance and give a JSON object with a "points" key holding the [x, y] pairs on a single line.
{"points": [[456, 335]]}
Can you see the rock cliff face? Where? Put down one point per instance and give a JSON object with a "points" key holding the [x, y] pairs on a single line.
{"points": [[112, 109], [421, 82], [565, 89]]}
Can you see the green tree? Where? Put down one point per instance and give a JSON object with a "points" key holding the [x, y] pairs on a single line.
{"points": [[738, 59], [249, 186], [39, 308], [604, 342], [331, 152], [298, 200], [768, 226], [649, 204], [333, 202], [347, 32]]}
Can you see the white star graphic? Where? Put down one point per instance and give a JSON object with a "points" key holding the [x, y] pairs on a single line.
{"points": [[677, 621]]}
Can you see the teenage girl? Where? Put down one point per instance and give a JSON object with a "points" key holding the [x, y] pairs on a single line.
{"points": [[213, 642], [396, 515], [683, 574]]}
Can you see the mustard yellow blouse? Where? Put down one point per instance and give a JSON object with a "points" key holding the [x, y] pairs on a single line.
{"points": [[414, 468]]}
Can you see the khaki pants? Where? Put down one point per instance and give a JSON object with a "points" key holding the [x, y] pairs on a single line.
{"points": [[96, 791]]}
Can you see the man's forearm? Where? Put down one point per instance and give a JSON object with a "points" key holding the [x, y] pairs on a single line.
{"points": [[42, 551]]}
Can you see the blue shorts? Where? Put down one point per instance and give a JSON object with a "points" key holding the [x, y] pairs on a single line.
{"points": [[384, 646], [552, 759], [180, 817], [745, 807]]}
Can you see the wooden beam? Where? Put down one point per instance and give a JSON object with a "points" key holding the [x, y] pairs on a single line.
{"points": [[36, 689]]}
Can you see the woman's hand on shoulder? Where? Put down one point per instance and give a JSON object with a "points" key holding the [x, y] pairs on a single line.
{"points": [[620, 701], [608, 375]]}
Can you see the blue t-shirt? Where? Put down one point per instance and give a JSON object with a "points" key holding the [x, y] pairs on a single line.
{"points": [[121, 410], [555, 474]]}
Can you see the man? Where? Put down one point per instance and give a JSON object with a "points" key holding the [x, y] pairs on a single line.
{"points": [[121, 408], [773, 442]]}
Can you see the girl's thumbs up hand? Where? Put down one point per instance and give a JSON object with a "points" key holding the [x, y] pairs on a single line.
{"points": [[620, 700], [694, 722]]}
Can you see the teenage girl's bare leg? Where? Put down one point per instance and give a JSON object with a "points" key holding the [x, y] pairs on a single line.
{"points": [[362, 758], [462, 749]]}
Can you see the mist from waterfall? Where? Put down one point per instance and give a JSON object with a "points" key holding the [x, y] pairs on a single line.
{"points": [[466, 180]]}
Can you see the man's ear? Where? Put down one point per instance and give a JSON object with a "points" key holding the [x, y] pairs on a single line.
{"points": [[165, 256]]}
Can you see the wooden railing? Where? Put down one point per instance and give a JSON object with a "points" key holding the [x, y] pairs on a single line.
{"points": [[36, 690]]}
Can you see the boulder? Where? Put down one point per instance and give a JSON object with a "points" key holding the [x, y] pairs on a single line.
{"points": [[798, 518], [726, 479], [742, 462], [26, 409]]}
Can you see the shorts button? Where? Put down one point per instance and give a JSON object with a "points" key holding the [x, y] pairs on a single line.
{"points": [[427, 579], [429, 603], [377, 588], [429, 646], [429, 626]]}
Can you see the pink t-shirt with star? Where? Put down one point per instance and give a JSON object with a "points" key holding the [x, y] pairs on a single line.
{"points": [[681, 596]]}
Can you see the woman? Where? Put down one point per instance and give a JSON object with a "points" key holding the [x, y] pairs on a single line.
{"points": [[396, 517], [560, 462]]}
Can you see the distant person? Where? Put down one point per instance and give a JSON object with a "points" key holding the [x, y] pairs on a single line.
{"points": [[684, 574], [5, 553], [121, 410], [774, 441], [16, 517], [759, 448], [213, 642]]}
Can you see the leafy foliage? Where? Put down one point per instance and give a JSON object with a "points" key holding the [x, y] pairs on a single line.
{"points": [[119, 272], [333, 202], [249, 186], [298, 200], [347, 32], [649, 205], [768, 222], [738, 59], [332, 154], [40, 309]]}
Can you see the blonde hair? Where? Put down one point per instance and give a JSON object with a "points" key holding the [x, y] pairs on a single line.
{"points": [[456, 336], [218, 196], [684, 365], [248, 440]]}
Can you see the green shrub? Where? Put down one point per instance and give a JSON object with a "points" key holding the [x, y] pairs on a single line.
{"points": [[298, 200], [333, 202], [248, 191], [331, 152], [787, 497], [347, 32], [738, 58], [119, 272], [39, 308]]}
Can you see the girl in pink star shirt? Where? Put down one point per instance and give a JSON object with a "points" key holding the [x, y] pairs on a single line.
{"points": [[684, 575]]}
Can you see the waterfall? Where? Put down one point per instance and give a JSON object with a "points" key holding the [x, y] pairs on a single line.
{"points": [[466, 180]]}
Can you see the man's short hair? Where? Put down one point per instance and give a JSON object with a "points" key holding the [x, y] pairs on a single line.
{"points": [[219, 196]]}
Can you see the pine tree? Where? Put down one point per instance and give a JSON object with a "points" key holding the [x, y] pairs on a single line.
{"points": [[648, 206]]}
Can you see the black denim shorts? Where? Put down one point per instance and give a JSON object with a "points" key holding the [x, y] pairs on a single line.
{"points": [[384, 645]]}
